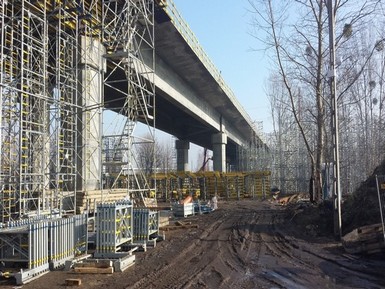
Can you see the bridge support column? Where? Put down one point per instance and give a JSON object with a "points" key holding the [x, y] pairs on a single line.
{"points": [[89, 115], [219, 141], [182, 148]]}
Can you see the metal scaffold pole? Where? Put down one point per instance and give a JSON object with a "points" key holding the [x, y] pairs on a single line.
{"points": [[63, 89]]}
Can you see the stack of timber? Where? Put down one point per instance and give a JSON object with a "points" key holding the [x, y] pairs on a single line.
{"points": [[365, 240], [88, 200]]}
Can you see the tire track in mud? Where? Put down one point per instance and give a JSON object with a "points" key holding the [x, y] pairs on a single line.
{"points": [[183, 267], [245, 248], [340, 267], [249, 247], [280, 245], [281, 263], [296, 264], [218, 259], [299, 262]]}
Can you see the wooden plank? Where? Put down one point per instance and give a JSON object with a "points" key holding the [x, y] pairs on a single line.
{"points": [[93, 270], [73, 282], [367, 239], [163, 223], [370, 229], [180, 223]]}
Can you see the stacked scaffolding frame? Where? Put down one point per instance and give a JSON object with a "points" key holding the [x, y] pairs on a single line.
{"points": [[63, 107], [57, 58], [24, 106]]}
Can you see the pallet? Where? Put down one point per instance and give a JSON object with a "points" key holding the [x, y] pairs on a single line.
{"points": [[117, 263]]}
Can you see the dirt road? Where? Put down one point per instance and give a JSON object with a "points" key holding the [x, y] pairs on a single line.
{"points": [[244, 244]]}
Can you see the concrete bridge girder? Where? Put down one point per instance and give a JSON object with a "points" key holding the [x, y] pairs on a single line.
{"points": [[190, 102]]}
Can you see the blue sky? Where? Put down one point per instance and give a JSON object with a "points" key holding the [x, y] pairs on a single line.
{"points": [[224, 31]]}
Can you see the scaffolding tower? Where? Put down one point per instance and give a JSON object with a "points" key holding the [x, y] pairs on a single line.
{"points": [[130, 76], [57, 60], [25, 103]]}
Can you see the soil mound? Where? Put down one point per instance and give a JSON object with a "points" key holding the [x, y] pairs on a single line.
{"points": [[362, 208], [358, 209]]}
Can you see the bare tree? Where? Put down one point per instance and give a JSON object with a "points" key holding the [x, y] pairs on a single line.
{"points": [[296, 33], [362, 110], [288, 157], [165, 157], [152, 158]]}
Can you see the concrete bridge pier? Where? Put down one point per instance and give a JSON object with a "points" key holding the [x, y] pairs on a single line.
{"points": [[219, 141], [92, 67], [182, 148]]}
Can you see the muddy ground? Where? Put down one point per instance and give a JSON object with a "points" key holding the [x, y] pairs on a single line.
{"points": [[244, 244]]}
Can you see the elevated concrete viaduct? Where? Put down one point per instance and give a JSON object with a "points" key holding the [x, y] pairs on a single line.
{"points": [[193, 102]]}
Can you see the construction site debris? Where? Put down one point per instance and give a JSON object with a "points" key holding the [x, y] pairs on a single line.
{"points": [[288, 199], [180, 223], [365, 240]]}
